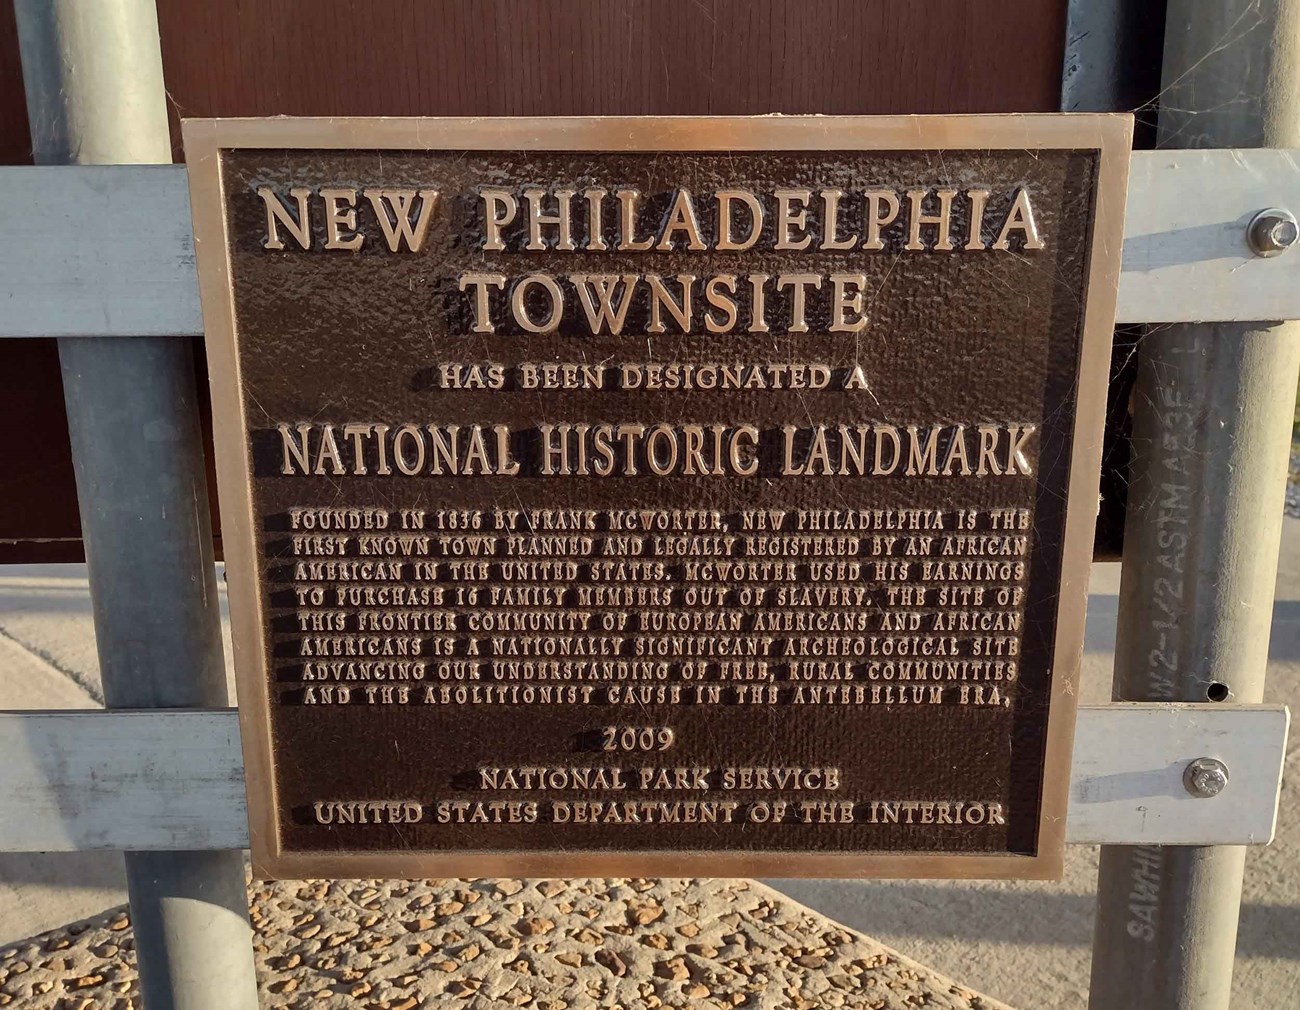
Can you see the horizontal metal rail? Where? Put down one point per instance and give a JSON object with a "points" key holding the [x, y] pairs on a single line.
{"points": [[168, 780], [108, 250]]}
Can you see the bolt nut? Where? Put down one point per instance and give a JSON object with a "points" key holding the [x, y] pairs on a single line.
{"points": [[1272, 232], [1205, 777]]}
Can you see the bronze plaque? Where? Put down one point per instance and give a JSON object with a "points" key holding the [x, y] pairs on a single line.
{"points": [[658, 496]]}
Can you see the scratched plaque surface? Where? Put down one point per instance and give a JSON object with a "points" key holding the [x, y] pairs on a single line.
{"points": [[634, 496]]}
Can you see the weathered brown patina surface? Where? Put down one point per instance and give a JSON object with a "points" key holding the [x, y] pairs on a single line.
{"points": [[725, 578]]}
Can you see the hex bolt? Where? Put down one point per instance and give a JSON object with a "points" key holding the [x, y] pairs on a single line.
{"points": [[1205, 777], [1272, 232]]}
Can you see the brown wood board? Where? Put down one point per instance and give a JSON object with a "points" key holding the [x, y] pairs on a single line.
{"points": [[511, 57]]}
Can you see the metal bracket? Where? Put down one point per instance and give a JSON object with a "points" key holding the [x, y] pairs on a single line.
{"points": [[169, 780], [1187, 257]]}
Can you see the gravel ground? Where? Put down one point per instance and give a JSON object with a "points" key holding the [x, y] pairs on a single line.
{"points": [[548, 944]]}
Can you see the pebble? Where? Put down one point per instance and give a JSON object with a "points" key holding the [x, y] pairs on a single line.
{"points": [[646, 914], [616, 965], [674, 970], [471, 953]]}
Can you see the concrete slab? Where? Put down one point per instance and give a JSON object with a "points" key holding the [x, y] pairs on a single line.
{"points": [[48, 660], [581, 944], [29, 681], [45, 618], [45, 612], [40, 891]]}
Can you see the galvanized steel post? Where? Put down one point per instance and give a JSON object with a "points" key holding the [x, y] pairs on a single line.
{"points": [[94, 83], [1212, 414]]}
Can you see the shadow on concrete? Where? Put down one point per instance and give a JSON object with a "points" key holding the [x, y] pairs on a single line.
{"points": [[1103, 613], [1099, 630], [1012, 917], [73, 870]]}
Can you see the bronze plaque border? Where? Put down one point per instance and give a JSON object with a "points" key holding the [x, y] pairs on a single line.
{"points": [[1110, 134]]}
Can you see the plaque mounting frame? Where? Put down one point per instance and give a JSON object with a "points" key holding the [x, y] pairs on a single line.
{"points": [[1107, 134]]}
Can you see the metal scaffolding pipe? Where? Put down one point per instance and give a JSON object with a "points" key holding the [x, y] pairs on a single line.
{"points": [[1212, 413], [94, 84]]}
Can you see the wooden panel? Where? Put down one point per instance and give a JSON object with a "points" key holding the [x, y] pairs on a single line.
{"points": [[576, 57], [39, 518], [38, 493], [500, 57], [624, 57], [73, 781], [15, 145], [1185, 253]]}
